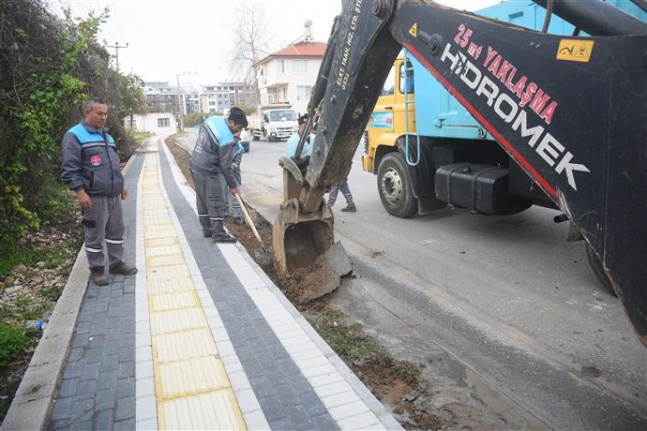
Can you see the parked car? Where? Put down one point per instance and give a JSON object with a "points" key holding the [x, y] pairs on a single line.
{"points": [[245, 137]]}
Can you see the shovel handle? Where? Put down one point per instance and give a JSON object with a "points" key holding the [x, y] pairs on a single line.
{"points": [[248, 219]]}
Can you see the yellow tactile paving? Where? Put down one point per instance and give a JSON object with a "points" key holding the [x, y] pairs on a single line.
{"points": [[166, 322], [191, 385], [168, 272], [163, 250], [214, 407], [166, 260], [160, 242], [192, 377], [187, 344], [173, 300], [162, 285]]}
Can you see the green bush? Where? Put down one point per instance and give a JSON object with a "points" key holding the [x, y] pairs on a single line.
{"points": [[194, 119], [13, 343], [54, 202]]}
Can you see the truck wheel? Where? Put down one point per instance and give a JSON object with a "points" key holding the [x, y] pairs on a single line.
{"points": [[394, 185], [596, 267]]}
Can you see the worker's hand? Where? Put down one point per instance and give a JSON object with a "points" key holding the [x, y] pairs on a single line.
{"points": [[233, 191], [84, 199], [124, 193]]}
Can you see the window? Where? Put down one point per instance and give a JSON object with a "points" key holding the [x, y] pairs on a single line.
{"points": [[163, 122], [280, 66], [304, 92], [300, 66], [389, 84], [408, 78], [283, 115]]}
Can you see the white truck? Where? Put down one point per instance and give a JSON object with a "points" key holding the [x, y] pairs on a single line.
{"points": [[273, 122]]}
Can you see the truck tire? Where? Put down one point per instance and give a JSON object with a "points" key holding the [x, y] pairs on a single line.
{"points": [[394, 186], [596, 267]]}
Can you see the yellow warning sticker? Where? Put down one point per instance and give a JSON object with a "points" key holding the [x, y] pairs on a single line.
{"points": [[575, 50], [413, 31]]}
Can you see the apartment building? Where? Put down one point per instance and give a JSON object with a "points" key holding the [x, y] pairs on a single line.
{"points": [[288, 75], [217, 98]]}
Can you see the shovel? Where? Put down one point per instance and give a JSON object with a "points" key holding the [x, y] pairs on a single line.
{"points": [[262, 254]]}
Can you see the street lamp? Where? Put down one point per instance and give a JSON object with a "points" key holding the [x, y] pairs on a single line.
{"points": [[180, 109]]}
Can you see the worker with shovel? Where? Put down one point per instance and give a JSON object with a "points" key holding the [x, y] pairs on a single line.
{"points": [[212, 158]]}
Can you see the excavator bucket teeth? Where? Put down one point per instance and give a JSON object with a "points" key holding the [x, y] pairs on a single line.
{"points": [[306, 257]]}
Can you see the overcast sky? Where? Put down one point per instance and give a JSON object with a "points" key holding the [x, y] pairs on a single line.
{"points": [[167, 38]]}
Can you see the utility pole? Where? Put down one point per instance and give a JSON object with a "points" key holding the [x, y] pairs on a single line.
{"points": [[117, 47], [180, 109]]}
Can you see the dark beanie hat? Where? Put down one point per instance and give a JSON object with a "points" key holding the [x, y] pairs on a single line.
{"points": [[237, 116], [303, 119]]}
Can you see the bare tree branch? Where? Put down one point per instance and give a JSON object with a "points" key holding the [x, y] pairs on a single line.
{"points": [[254, 37]]}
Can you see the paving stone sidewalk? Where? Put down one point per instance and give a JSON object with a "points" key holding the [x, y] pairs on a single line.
{"points": [[200, 338]]}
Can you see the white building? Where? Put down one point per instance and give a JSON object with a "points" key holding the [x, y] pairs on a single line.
{"points": [[159, 123], [216, 98], [288, 75]]}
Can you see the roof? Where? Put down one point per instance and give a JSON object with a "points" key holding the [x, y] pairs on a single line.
{"points": [[299, 50], [302, 49]]}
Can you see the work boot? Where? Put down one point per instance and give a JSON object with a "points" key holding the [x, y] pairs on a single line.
{"points": [[226, 238], [349, 209], [207, 233], [98, 276], [123, 269], [220, 234]]}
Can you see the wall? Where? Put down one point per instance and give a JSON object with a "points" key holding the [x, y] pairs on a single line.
{"points": [[157, 123]]}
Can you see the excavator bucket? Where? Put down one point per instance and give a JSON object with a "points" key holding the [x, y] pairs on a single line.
{"points": [[306, 256]]}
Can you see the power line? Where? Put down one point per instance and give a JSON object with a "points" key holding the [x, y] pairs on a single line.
{"points": [[117, 47]]}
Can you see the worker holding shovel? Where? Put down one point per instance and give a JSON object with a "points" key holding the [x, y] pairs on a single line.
{"points": [[212, 158]]}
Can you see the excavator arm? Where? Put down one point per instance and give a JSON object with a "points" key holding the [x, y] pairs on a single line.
{"points": [[570, 111]]}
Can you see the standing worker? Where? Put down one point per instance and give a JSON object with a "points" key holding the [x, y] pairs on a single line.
{"points": [[332, 196], [293, 141], [91, 168], [212, 157]]}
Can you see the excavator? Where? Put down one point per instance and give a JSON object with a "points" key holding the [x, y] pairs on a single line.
{"points": [[569, 112]]}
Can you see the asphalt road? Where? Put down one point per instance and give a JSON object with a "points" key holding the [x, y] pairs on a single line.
{"points": [[506, 315]]}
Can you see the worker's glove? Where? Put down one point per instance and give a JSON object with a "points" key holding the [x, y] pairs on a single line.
{"points": [[302, 163]]}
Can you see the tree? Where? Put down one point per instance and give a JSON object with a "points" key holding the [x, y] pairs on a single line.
{"points": [[49, 67], [133, 98], [37, 89], [254, 36]]}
